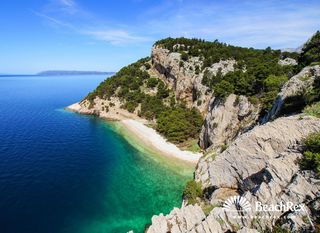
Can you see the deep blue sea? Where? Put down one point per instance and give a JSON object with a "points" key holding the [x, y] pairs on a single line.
{"points": [[62, 172]]}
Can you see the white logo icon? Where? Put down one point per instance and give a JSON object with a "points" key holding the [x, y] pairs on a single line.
{"points": [[237, 203]]}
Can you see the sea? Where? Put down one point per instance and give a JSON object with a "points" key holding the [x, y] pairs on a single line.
{"points": [[61, 172]]}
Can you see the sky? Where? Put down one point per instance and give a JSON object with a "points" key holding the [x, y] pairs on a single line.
{"points": [[99, 35]]}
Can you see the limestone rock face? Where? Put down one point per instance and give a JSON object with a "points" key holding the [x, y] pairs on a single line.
{"points": [[105, 108], [265, 147], [185, 77], [288, 62], [225, 66], [191, 219], [188, 219], [296, 86], [173, 71], [225, 120], [262, 166]]}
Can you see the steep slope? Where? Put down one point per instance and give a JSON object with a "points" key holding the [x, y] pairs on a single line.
{"points": [[292, 96], [179, 82], [219, 94], [227, 119], [276, 162], [260, 165]]}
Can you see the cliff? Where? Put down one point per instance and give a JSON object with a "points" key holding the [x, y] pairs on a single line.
{"points": [[190, 81], [261, 166], [292, 93], [227, 119], [244, 106]]}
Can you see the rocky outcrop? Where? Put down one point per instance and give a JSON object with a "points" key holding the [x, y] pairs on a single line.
{"points": [[185, 77], [293, 89], [189, 219], [256, 150], [287, 62], [227, 119], [261, 166], [224, 66], [105, 108], [177, 73]]}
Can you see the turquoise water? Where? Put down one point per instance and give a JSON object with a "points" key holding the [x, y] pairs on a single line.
{"points": [[66, 173]]}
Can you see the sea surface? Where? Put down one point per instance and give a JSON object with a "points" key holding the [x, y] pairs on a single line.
{"points": [[62, 172]]}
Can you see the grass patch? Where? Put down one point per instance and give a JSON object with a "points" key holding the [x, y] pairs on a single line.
{"points": [[311, 158], [208, 207], [190, 145], [192, 191], [313, 110], [315, 63]]}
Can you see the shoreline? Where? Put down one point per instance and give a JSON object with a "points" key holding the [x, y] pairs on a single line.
{"points": [[155, 141], [148, 136]]}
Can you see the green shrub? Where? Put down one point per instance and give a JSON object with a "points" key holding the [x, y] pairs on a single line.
{"points": [[313, 94], [273, 82], [184, 56], [130, 106], [129, 78], [279, 229], [311, 50], [178, 124], [312, 142], [181, 64], [147, 65], [197, 69], [313, 110], [192, 191], [208, 207], [223, 89], [163, 91], [311, 158], [151, 107], [152, 82]]}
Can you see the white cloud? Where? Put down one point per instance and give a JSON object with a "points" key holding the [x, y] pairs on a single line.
{"points": [[245, 23], [53, 21], [116, 36], [83, 20], [68, 3]]}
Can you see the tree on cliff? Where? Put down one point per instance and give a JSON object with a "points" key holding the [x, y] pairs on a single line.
{"points": [[311, 50]]}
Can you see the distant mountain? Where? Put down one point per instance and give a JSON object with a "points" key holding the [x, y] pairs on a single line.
{"points": [[293, 50], [16, 75], [71, 72]]}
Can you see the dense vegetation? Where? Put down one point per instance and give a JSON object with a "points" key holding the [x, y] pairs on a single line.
{"points": [[309, 100], [129, 79], [178, 123], [212, 52], [313, 110], [305, 102], [174, 120], [311, 159], [311, 51], [257, 73], [192, 191]]}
